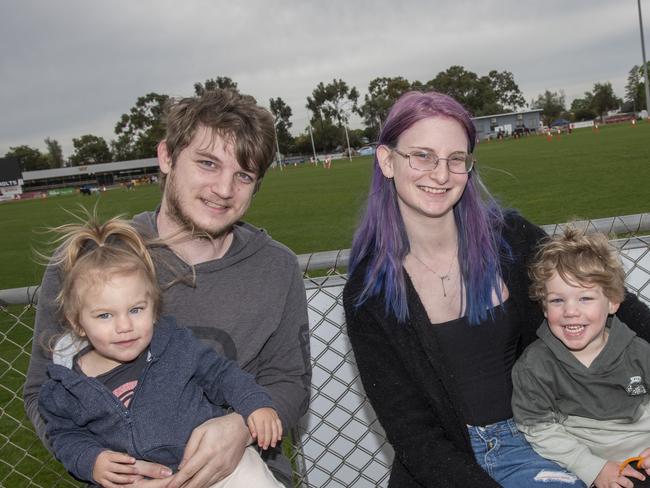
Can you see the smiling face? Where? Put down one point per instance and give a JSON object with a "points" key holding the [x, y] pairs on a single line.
{"points": [[207, 191], [429, 194], [117, 317], [577, 315]]}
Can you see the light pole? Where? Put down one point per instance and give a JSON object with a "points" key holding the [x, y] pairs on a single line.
{"points": [[278, 156], [347, 139], [313, 148], [645, 64], [345, 117]]}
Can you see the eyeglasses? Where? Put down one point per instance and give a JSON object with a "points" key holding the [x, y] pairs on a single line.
{"points": [[459, 163]]}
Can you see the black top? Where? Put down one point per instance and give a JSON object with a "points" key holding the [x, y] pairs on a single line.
{"points": [[121, 380], [410, 386], [480, 359]]}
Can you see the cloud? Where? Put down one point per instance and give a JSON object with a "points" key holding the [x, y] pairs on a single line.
{"points": [[73, 67]]}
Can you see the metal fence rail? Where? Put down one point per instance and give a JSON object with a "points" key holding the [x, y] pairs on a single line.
{"points": [[339, 443]]}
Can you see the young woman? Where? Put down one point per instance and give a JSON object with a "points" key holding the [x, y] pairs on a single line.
{"points": [[437, 306]]}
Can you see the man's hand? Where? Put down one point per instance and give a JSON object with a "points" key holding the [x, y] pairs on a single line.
{"points": [[265, 426], [213, 452], [609, 476], [114, 469]]}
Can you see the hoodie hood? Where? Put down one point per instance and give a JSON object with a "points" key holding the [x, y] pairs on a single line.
{"points": [[618, 340], [614, 387], [69, 345]]}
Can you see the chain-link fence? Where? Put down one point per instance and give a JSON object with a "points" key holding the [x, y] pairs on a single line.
{"points": [[339, 443]]}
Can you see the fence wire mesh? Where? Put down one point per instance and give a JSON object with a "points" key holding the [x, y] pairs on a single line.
{"points": [[339, 443]]}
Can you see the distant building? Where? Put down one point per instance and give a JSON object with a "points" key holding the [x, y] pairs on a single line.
{"points": [[491, 126], [10, 179], [103, 174]]}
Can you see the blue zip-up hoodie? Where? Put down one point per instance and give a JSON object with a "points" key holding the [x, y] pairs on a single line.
{"points": [[184, 383]]}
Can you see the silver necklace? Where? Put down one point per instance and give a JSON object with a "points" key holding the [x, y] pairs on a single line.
{"points": [[442, 278]]}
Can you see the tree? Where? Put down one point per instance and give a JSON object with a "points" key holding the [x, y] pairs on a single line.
{"points": [[357, 137], [301, 144], [604, 98], [464, 86], [552, 105], [334, 102], [140, 131], [90, 149], [282, 113], [31, 159], [419, 86], [329, 104], [328, 136], [582, 108], [507, 91], [635, 88], [54, 153], [494, 93], [382, 94], [222, 82]]}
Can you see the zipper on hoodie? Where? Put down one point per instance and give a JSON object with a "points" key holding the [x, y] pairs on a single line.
{"points": [[150, 360], [117, 403], [103, 389]]}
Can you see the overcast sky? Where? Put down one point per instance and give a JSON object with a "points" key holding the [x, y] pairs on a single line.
{"points": [[72, 67]]}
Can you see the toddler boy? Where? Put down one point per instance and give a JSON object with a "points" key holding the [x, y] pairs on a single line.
{"points": [[581, 390]]}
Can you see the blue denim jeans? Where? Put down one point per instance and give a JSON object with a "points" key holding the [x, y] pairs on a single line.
{"points": [[504, 453]]}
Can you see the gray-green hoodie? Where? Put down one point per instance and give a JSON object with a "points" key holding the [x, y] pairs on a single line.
{"points": [[583, 417]]}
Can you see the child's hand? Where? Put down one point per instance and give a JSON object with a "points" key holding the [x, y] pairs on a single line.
{"points": [[265, 426], [645, 463], [114, 469], [609, 476]]}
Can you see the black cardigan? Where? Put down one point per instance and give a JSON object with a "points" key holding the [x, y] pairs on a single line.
{"points": [[410, 387]]}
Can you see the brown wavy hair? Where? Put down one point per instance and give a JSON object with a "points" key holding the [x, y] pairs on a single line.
{"points": [[235, 117]]}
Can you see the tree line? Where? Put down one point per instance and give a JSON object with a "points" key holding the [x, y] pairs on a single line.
{"points": [[595, 103], [331, 105]]}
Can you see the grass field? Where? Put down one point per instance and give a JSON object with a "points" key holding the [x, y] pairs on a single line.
{"points": [[584, 174]]}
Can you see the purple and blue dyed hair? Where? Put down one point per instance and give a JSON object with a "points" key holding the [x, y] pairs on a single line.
{"points": [[381, 238]]}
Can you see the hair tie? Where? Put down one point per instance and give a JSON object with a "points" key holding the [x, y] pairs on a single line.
{"points": [[89, 245]]}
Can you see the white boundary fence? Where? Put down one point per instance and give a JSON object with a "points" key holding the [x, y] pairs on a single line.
{"points": [[339, 443]]}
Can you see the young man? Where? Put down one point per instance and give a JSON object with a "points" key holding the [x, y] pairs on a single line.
{"points": [[227, 280], [580, 391]]}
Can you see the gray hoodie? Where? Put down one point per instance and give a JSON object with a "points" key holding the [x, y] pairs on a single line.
{"points": [[582, 417]]}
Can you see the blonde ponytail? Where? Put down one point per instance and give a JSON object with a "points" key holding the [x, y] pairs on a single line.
{"points": [[90, 250]]}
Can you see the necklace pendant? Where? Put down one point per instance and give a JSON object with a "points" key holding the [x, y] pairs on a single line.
{"points": [[442, 278], [442, 282]]}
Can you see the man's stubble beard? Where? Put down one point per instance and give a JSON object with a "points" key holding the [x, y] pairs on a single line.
{"points": [[186, 224]]}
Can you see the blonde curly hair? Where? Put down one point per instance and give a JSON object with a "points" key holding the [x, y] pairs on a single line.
{"points": [[580, 258]]}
